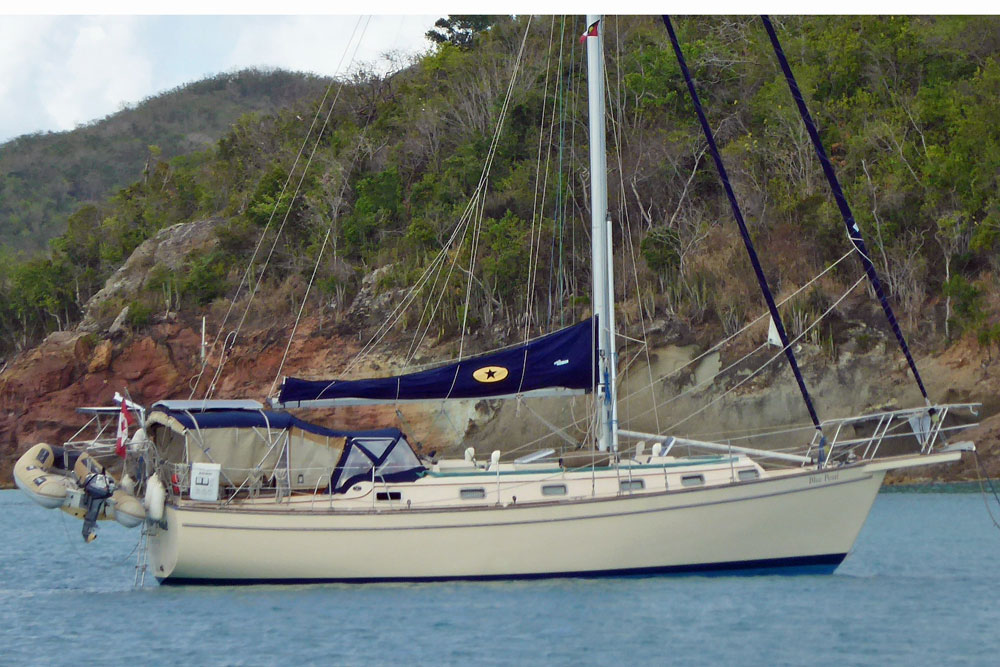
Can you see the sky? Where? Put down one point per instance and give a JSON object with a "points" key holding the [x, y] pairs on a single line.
{"points": [[57, 71]]}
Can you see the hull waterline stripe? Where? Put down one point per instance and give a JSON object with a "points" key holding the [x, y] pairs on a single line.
{"points": [[525, 522], [794, 565]]}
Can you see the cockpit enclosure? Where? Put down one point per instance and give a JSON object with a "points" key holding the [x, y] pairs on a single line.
{"points": [[261, 449]]}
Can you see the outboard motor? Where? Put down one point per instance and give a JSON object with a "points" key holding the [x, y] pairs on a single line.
{"points": [[97, 487]]}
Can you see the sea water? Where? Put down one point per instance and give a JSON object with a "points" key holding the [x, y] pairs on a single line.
{"points": [[921, 587]]}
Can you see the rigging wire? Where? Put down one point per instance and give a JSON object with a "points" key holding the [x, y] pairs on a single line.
{"points": [[560, 206], [572, 143], [284, 221], [812, 325], [537, 209], [246, 277], [534, 245], [625, 224], [982, 474], [319, 257], [472, 209], [722, 343], [745, 234], [853, 231], [626, 230], [783, 350], [589, 419], [479, 221], [558, 108], [435, 265], [478, 224]]}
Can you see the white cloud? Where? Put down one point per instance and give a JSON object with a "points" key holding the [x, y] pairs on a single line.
{"points": [[23, 47], [102, 67], [326, 45], [57, 72]]}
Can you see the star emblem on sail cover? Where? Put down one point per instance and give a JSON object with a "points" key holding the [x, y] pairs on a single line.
{"points": [[488, 374]]}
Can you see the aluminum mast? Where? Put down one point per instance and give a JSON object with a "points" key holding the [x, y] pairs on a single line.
{"points": [[600, 235]]}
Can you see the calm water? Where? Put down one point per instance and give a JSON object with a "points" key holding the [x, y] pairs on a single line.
{"points": [[921, 587]]}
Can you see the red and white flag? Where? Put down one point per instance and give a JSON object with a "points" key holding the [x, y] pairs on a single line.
{"points": [[124, 420], [591, 32]]}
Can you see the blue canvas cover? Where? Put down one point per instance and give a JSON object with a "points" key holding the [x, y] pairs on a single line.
{"points": [[561, 360], [380, 459], [267, 419]]}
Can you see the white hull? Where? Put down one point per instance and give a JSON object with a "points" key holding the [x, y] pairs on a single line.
{"points": [[804, 520]]}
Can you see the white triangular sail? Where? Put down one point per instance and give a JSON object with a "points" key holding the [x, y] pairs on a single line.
{"points": [[772, 334]]}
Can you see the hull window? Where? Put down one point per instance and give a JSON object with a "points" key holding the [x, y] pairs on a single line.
{"points": [[633, 485], [554, 490], [472, 494], [388, 495]]}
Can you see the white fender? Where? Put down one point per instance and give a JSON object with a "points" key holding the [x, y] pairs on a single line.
{"points": [[127, 484], [156, 496], [128, 511], [32, 475]]}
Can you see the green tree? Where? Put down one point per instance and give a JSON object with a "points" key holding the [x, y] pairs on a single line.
{"points": [[460, 29]]}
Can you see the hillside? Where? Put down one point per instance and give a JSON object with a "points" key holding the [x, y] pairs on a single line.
{"points": [[906, 106], [46, 176]]}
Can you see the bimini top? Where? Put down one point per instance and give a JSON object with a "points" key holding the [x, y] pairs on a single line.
{"points": [[243, 441], [267, 419], [209, 404], [559, 363]]}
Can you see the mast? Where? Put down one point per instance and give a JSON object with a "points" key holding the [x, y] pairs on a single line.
{"points": [[600, 237]]}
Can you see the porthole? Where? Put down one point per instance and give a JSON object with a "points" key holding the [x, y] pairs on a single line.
{"points": [[472, 494], [554, 490], [632, 485], [692, 480]]}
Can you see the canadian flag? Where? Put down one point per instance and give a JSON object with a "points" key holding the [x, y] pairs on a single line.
{"points": [[124, 420], [591, 32]]}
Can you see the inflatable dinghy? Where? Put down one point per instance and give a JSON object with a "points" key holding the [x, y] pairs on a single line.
{"points": [[78, 484]]}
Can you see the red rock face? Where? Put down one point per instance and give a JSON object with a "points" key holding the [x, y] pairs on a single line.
{"points": [[41, 389]]}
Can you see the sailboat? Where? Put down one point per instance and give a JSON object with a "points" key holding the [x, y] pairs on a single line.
{"points": [[239, 492]]}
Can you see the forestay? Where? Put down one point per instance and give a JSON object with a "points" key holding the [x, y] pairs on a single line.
{"points": [[558, 363]]}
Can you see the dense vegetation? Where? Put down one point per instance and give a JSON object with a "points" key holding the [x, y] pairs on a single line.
{"points": [[44, 177], [907, 108]]}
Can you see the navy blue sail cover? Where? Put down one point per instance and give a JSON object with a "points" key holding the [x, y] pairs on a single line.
{"points": [[562, 360]]}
